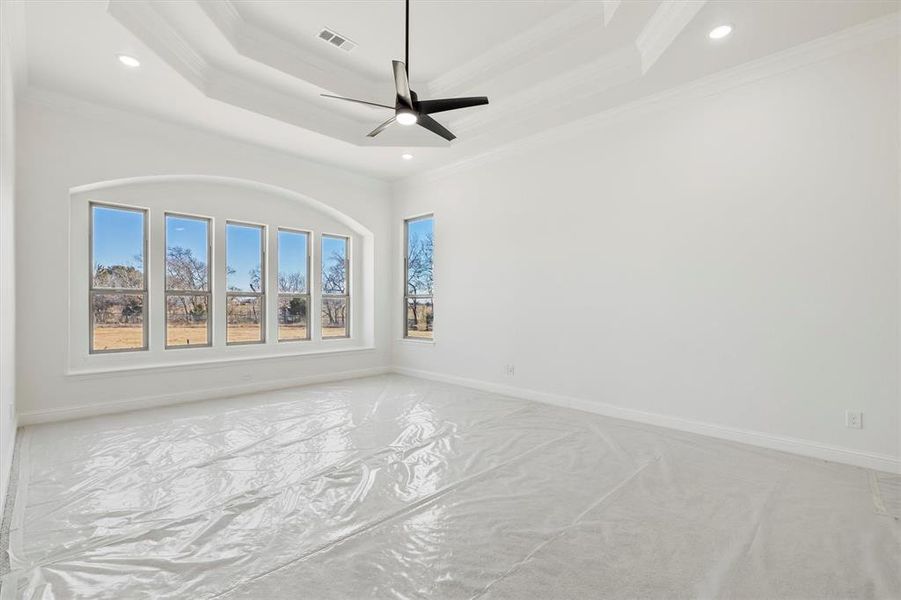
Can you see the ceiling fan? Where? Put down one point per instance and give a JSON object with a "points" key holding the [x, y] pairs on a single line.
{"points": [[408, 108]]}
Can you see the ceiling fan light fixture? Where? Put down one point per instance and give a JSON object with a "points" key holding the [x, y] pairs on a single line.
{"points": [[406, 117], [408, 108], [718, 33]]}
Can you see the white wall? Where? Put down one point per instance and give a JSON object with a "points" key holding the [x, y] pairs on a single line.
{"points": [[63, 145], [730, 259], [7, 267]]}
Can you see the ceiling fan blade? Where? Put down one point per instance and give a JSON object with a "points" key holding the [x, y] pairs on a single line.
{"points": [[428, 107], [435, 127], [357, 101], [381, 127], [401, 83]]}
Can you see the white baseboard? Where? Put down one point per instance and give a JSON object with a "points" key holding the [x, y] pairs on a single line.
{"points": [[92, 410], [6, 467], [868, 460]]}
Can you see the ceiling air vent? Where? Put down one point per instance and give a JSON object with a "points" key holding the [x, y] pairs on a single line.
{"points": [[336, 39]]}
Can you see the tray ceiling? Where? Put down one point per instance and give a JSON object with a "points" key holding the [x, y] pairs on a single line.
{"points": [[254, 70]]}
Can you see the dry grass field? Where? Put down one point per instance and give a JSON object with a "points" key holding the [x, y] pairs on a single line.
{"points": [[118, 337], [242, 333], [414, 333], [186, 335], [292, 332], [122, 337]]}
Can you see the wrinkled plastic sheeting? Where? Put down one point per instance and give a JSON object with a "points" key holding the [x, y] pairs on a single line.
{"points": [[392, 487]]}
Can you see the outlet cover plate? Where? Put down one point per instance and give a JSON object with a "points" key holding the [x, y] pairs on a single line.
{"points": [[854, 419]]}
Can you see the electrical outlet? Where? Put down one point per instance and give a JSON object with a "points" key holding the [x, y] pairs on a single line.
{"points": [[854, 419], [510, 370]]}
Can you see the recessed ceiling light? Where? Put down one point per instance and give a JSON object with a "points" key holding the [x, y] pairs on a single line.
{"points": [[129, 61], [406, 156], [718, 33]]}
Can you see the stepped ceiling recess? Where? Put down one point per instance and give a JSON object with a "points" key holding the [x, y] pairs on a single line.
{"points": [[255, 70]]}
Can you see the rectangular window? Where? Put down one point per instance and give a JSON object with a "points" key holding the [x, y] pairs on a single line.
{"points": [[245, 283], [118, 286], [335, 287], [293, 285], [418, 307], [188, 303]]}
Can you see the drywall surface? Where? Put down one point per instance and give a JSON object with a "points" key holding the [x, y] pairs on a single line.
{"points": [[7, 267], [65, 144], [729, 258]]}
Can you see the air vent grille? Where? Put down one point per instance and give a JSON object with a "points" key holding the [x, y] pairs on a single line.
{"points": [[335, 39]]}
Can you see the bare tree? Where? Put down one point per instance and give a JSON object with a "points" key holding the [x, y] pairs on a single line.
{"points": [[185, 272], [419, 275], [113, 307], [118, 276], [334, 281], [290, 283]]}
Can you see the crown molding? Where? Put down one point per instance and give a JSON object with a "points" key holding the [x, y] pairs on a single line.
{"points": [[513, 52], [817, 50], [610, 7], [220, 83], [143, 20], [597, 76], [661, 30], [13, 32], [262, 46], [142, 121]]}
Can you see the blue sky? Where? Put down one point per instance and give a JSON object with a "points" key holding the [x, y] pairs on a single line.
{"points": [[242, 253], [119, 234], [330, 246], [188, 233], [292, 253], [420, 228], [118, 237]]}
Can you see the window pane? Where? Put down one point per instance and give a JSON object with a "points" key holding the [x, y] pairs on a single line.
{"points": [[292, 262], [292, 318], [243, 247], [419, 256], [117, 251], [334, 317], [419, 318], [118, 321], [244, 319], [186, 320], [187, 253], [334, 265]]}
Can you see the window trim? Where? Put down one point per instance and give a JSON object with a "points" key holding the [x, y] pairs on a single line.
{"points": [[261, 294], [309, 284], [345, 296], [209, 281], [406, 267], [143, 292]]}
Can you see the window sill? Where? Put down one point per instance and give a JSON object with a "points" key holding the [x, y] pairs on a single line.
{"points": [[209, 363], [416, 342]]}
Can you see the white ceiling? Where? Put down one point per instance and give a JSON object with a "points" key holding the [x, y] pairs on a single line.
{"points": [[444, 34], [254, 69]]}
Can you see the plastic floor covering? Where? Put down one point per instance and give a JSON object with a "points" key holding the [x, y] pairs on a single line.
{"points": [[393, 487]]}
